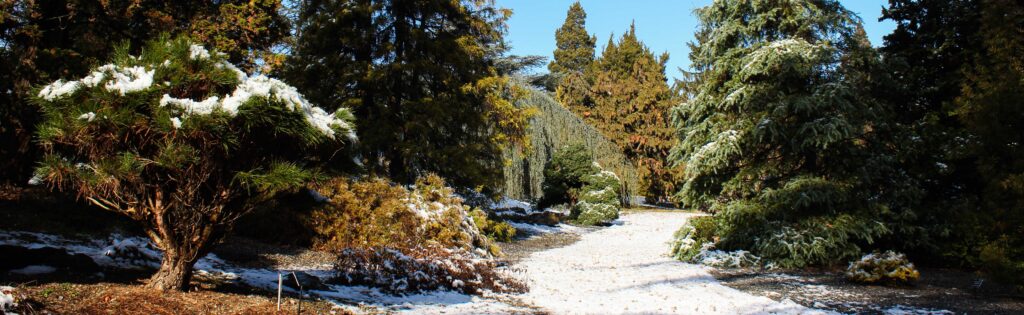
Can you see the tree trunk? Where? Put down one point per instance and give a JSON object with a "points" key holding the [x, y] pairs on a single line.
{"points": [[174, 274]]}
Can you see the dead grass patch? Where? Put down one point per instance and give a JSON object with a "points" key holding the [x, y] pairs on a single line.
{"points": [[107, 298]]}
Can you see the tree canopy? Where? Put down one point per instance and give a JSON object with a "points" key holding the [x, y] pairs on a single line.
{"points": [[424, 72], [780, 141]]}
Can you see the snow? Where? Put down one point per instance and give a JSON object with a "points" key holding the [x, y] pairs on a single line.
{"points": [[204, 107], [614, 270], [34, 270], [6, 298], [509, 203], [241, 74], [626, 269], [176, 122], [905, 310], [545, 229], [197, 52], [58, 89], [265, 87], [36, 180], [87, 116], [131, 79]]}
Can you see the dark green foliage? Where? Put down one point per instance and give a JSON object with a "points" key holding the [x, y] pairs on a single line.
{"points": [[957, 99], [41, 41], [554, 128], [573, 56], [564, 175], [991, 110], [688, 241], [425, 73], [926, 54], [575, 48], [780, 141], [133, 138]]}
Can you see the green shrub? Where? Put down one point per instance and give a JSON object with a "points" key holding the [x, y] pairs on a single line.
{"points": [[599, 198], [563, 175], [997, 259], [815, 241], [595, 213], [692, 237], [887, 267]]}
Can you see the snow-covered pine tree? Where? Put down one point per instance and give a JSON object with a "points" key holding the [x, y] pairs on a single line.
{"points": [[778, 140], [182, 141]]}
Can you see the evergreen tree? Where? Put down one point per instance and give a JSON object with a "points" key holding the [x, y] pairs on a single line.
{"points": [[780, 142], [182, 141], [925, 55], [564, 173], [992, 111], [574, 50], [573, 56], [424, 72], [631, 100], [41, 41]]}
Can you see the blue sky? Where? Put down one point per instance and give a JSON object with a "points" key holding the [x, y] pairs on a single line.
{"points": [[664, 25]]}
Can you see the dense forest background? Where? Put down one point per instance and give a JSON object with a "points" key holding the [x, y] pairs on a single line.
{"points": [[806, 144]]}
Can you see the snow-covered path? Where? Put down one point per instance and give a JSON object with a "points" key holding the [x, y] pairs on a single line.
{"points": [[624, 269]]}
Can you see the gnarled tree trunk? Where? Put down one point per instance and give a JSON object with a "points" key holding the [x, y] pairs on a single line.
{"points": [[175, 271]]}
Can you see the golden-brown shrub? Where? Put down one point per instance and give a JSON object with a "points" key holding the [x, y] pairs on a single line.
{"points": [[374, 213], [362, 214]]}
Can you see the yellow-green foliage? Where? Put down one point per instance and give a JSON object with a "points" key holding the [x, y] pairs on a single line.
{"points": [[375, 213], [496, 230], [362, 214], [997, 258], [884, 267]]}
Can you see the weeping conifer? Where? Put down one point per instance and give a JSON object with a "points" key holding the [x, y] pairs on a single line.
{"points": [[779, 141]]}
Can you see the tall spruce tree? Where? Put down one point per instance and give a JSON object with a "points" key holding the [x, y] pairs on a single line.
{"points": [[423, 72], [631, 100], [780, 142], [574, 53]]}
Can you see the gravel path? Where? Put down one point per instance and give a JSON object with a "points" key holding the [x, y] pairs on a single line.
{"points": [[624, 269]]}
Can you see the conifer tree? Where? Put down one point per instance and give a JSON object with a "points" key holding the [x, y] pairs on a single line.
{"points": [[631, 100], [934, 41], [46, 40], [424, 72], [183, 142], [779, 141], [574, 53], [992, 111]]}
